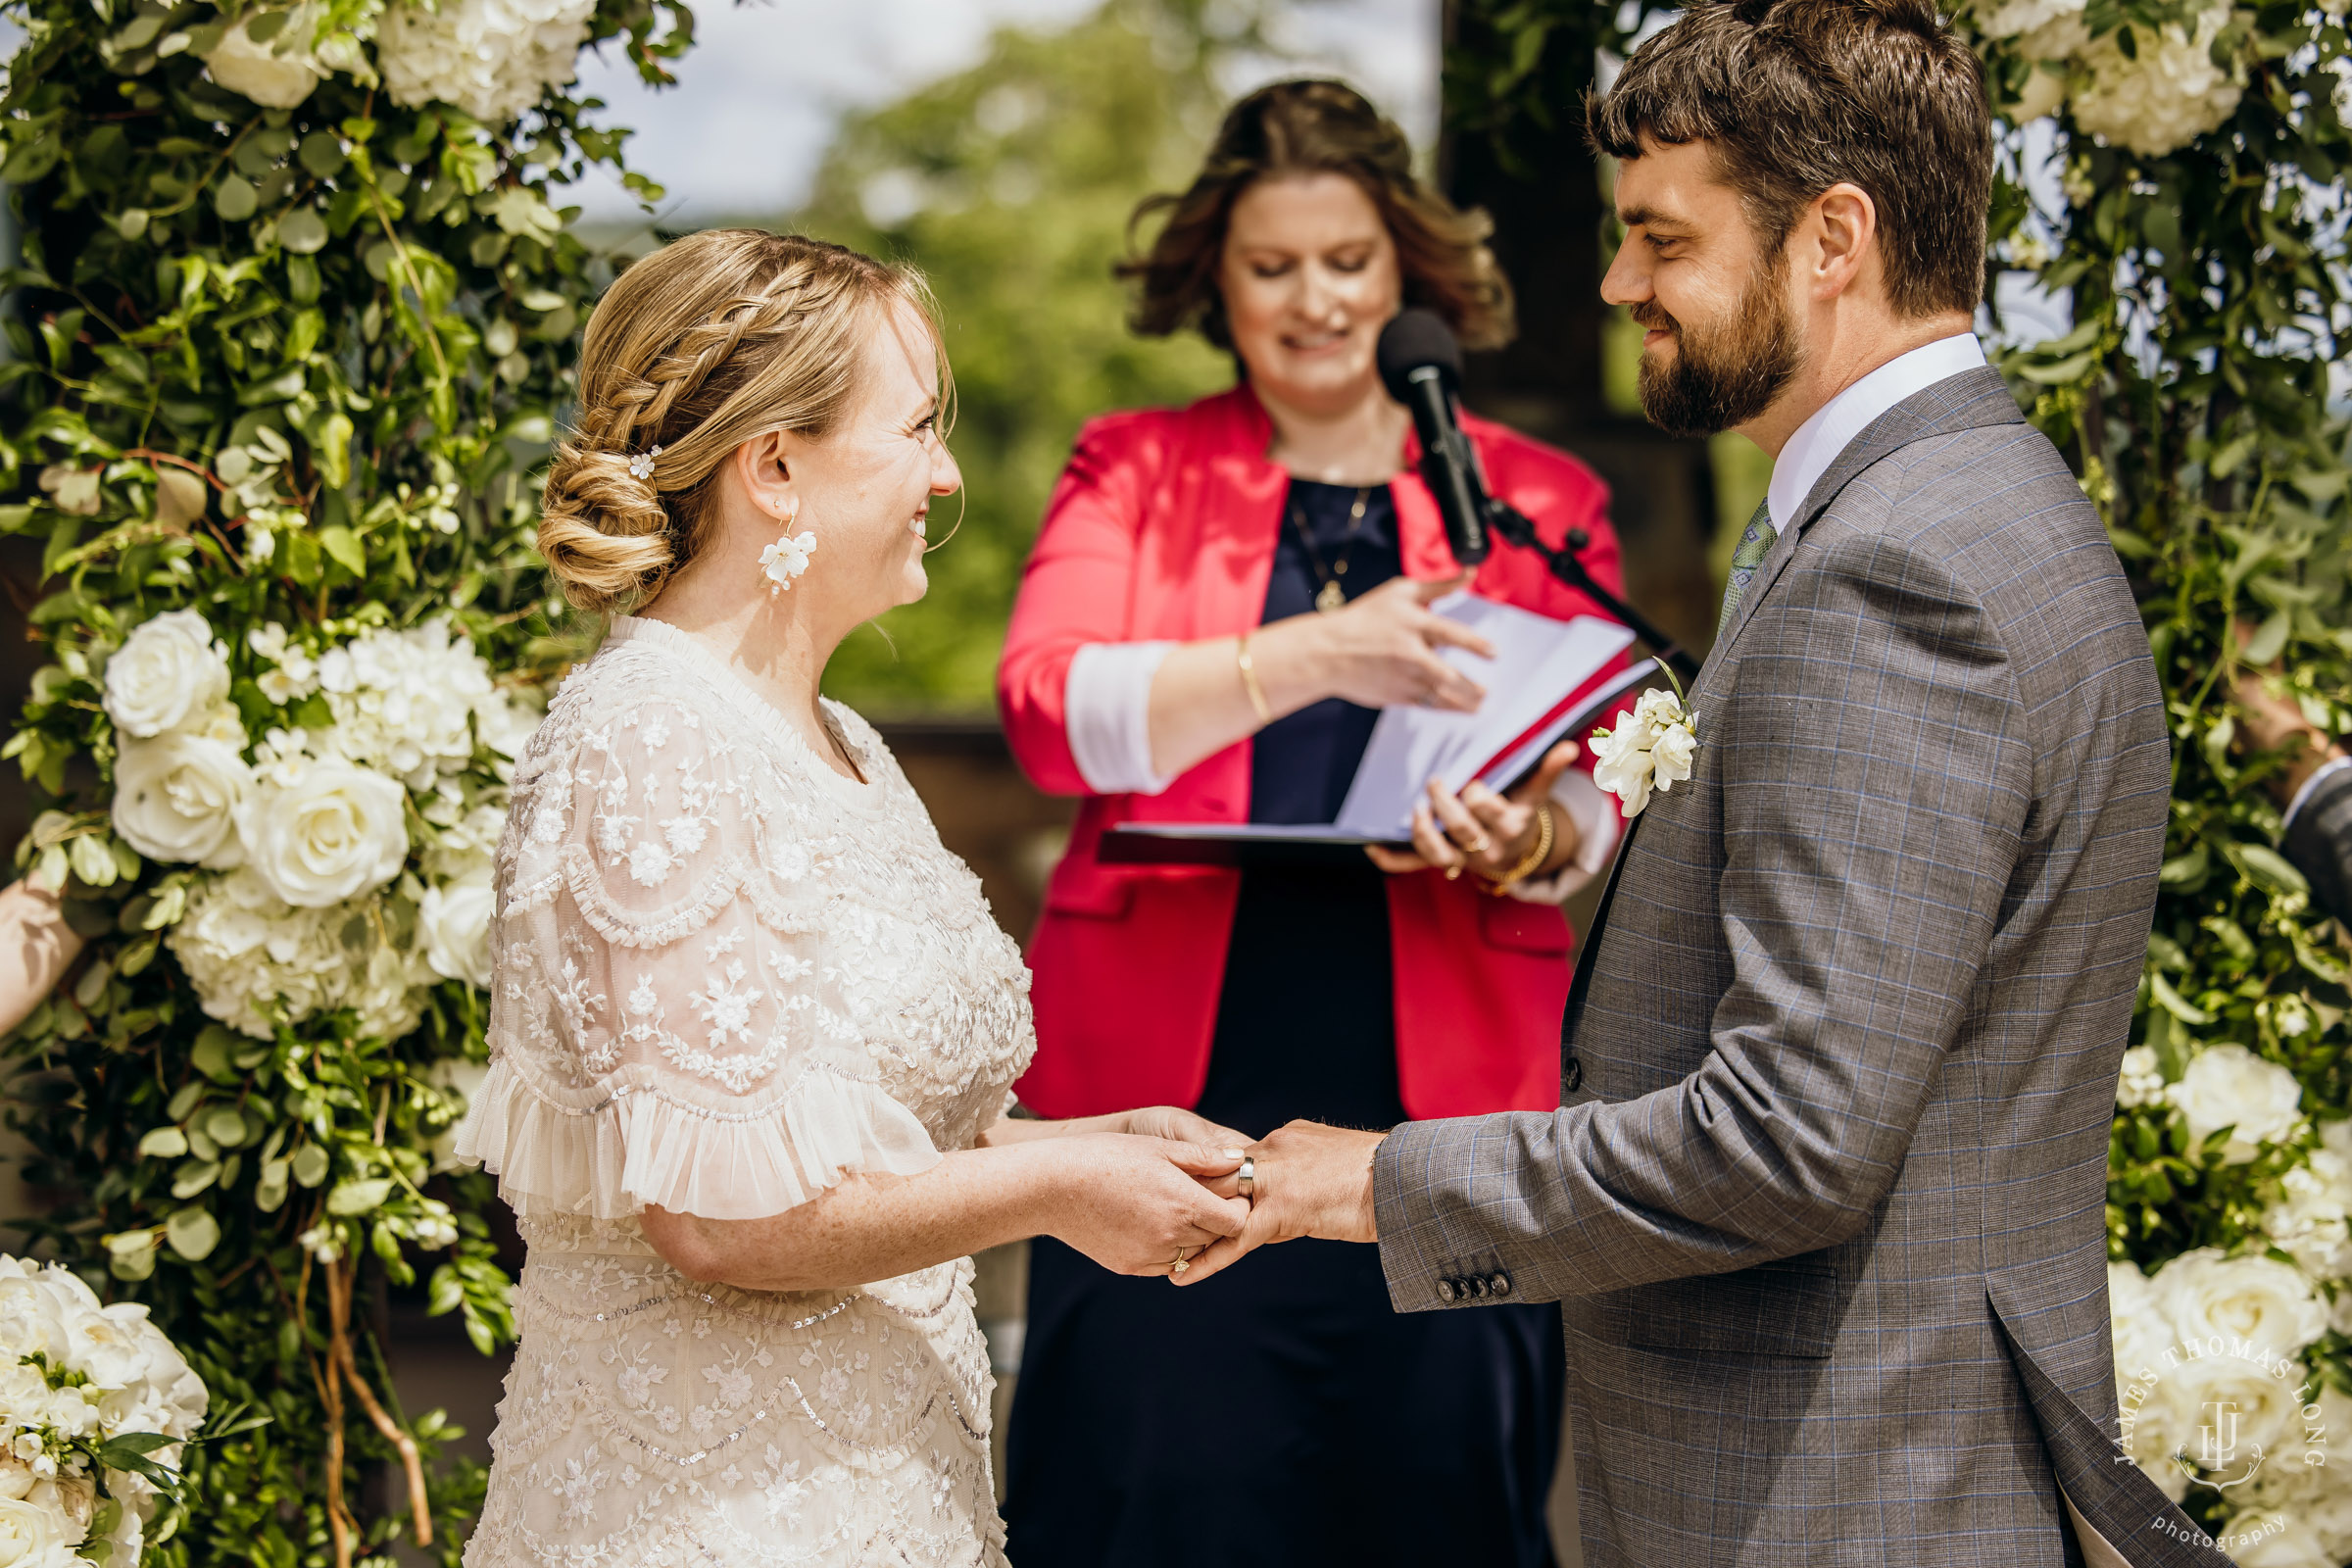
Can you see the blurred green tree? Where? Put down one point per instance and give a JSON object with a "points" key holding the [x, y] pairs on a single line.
{"points": [[1010, 185]]}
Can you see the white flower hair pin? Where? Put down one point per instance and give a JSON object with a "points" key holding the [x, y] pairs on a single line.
{"points": [[786, 560], [641, 465], [1652, 749]]}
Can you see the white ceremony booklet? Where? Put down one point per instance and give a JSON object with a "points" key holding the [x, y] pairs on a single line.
{"points": [[1545, 681]]}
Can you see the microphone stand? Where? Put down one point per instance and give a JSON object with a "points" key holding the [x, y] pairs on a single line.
{"points": [[1517, 528]]}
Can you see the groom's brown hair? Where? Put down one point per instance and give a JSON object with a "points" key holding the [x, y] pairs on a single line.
{"points": [[1795, 96]]}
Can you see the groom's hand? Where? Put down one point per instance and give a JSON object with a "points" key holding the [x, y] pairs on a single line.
{"points": [[1312, 1180]]}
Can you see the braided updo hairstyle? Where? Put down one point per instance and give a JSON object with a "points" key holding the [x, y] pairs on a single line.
{"points": [[711, 341]]}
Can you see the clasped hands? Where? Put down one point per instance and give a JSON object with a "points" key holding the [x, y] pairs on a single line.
{"points": [[1188, 1216]]}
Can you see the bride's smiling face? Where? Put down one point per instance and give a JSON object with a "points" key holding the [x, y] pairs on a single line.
{"points": [[865, 489]]}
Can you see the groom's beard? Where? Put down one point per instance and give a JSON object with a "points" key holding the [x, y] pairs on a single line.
{"points": [[1722, 375]]}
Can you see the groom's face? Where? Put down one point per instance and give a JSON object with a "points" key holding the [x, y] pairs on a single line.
{"points": [[1720, 338]]}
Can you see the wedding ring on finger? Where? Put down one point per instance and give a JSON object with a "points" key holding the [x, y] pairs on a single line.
{"points": [[1177, 1268], [1246, 1180]]}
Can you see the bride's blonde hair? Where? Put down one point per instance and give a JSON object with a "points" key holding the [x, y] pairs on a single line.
{"points": [[708, 342]]}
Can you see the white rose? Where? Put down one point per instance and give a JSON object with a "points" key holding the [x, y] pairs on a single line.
{"points": [[176, 797], [34, 1537], [2229, 1086], [167, 674], [278, 74], [455, 922], [2163, 98], [333, 831], [2266, 1304], [2228, 1406], [2273, 1538]]}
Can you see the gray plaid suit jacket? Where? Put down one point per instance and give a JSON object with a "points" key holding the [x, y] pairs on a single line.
{"points": [[1826, 1213]]}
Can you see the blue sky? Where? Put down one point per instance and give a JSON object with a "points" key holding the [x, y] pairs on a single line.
{"points": [[758, 99]]}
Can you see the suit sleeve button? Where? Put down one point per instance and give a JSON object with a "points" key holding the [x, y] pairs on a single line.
{"points": [[1500, 1284], [1477, 1286], [1444, 1290], [1572, 1075]]}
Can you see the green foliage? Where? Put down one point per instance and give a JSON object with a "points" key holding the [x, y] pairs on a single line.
{"points": [[292, 366], [2193, 395], [1010, 186]]}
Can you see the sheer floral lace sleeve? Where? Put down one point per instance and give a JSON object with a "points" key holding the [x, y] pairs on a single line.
{"points": [[676, 1026]]}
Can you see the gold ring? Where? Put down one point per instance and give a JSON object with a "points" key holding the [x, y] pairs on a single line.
{"points": [[1180, 1266]]}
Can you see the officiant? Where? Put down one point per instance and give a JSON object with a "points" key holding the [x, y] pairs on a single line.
{"points": [[1221, 598]]}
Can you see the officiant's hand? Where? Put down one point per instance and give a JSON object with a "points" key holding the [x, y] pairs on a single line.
{"points": [[1491, 834], [1381, 650], [1309, 1180]]}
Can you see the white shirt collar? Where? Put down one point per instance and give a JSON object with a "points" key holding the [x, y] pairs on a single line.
{"points": [[1834, 424]]}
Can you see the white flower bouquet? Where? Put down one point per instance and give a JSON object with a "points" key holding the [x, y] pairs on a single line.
{"points": [[95, 1406], [305, 893]]}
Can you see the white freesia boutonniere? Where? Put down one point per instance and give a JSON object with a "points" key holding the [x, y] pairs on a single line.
{"points": [[1652, 749]]}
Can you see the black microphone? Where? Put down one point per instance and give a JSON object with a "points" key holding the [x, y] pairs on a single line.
{"points": [[1421, 366]]}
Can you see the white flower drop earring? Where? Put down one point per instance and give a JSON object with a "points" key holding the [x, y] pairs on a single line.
{"points": [[786, 559]]}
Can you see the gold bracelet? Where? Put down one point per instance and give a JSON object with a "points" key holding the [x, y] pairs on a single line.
{"points": [[1533, 859], [1249, 683]]}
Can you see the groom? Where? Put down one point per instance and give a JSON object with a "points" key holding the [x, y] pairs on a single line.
{"points": [[1824, 1204]]}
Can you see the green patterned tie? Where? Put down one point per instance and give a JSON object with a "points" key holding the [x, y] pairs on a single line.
{"points": [[1754, 546]]}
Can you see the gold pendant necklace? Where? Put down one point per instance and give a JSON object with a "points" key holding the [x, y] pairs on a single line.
{"points": [[1331, 597]]}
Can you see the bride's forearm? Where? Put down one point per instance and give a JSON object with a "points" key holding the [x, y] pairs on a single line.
{"points": [[1011, 1130], [870, 1227]]}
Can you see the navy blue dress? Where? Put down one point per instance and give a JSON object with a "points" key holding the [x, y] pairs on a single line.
{"points": [[1281, 1414]]}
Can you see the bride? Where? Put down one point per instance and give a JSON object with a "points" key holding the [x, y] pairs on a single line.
{"points": [[753, 1027]]}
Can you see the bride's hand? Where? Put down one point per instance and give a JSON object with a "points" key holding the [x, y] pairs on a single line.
{"points": [[1134, 1205], [1172, 1121]]}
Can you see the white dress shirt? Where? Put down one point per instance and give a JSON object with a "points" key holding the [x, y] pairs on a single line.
{"points": [[1834, 424]]}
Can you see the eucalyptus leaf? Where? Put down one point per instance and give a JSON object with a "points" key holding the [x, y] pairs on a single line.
{"points": [[192, 1233]]}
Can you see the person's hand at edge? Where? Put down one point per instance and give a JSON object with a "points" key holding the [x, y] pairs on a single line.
{"points": [[1311, 1180]]}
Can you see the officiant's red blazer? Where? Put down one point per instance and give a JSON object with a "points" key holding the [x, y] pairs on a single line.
{"points": [[1164, 525]]}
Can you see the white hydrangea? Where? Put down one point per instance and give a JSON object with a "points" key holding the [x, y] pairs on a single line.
{"points": [[244, 948], [2229, 1086], [412, 703], [2141, 1082], [2164, 98], [494, 59], [295, 674], [2311, 1219]]}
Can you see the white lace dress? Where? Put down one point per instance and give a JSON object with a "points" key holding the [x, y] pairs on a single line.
{"points": [[725, 976]]}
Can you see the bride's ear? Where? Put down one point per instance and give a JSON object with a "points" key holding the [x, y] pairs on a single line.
{"points": [[766, 467]]}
